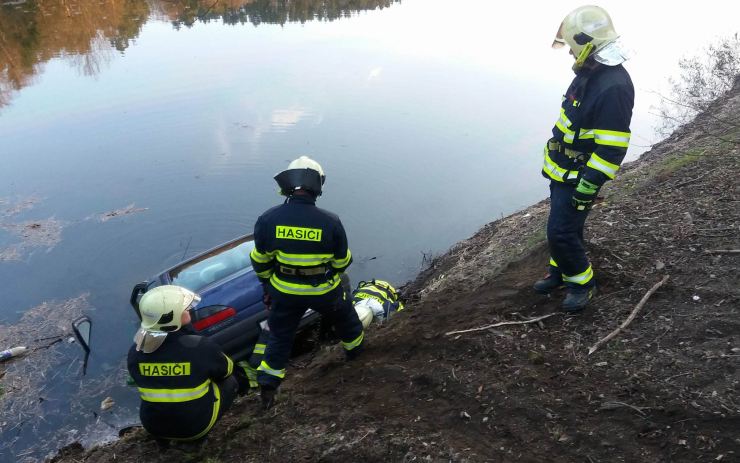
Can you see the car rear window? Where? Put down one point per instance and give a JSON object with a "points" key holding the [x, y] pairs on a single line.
{"points": [[214, 266]]}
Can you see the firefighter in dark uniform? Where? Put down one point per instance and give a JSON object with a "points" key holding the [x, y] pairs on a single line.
{"points": [[185, 380], [589, 142], [300, 252], [374, 300]]}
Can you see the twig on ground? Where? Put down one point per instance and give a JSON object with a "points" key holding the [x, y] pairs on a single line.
{"points": [[614, 404], [632, 316], [615, 255], [483, 328], [677, 376], [722, 251]]}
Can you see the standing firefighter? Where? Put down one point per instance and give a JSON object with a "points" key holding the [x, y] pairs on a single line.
{"points": [[590, 139], [300, 252], [184, 380]]}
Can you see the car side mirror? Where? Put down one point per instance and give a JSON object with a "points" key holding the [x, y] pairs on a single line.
{"points": [[82, 328]]}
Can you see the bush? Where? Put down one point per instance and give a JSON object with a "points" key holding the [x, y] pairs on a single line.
{"points": [[703, 79]]}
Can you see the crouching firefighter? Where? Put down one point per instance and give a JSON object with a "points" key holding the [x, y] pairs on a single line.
{"points": [[589, 142], [300, 252], [375, 300], [185, 380]]}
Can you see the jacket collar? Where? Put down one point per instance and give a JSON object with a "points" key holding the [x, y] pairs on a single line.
{"points": [[301, 199]]}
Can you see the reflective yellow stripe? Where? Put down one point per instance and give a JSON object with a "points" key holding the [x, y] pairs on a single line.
{"points": [[553, 263], [304, 260], [214, 414], [377, 291], [250, 373], [602, 165], [554, 171], [564, 118], [385, 285], [259, 349], [264, 367], [551, 169], [383, 293], [568, 135], [288, 287], [338, 263], [229, 366], [261, 258], [352, 344], [582, 278], [174, 395], [585, 134], [563, 124], [266, 274], [612, 138]]}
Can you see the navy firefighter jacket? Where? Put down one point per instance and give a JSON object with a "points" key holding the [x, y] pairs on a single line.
{"points": [[180, 398], [299, 248], [592, 133]]}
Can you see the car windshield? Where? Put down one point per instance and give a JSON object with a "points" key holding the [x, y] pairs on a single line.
{"points": [[213, 266]]}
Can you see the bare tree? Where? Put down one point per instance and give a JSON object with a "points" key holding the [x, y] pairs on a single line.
{"points": [[703, 79]]}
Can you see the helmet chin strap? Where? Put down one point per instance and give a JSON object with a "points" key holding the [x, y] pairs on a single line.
{"points": [[582, 56]]}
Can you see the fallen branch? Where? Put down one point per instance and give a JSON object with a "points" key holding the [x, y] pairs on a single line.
{"points": [[632, 316], [722, 251], [614, 405], [483, 328]]}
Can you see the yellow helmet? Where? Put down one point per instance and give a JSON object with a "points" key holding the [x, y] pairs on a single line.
{"points": [[588, 31]]}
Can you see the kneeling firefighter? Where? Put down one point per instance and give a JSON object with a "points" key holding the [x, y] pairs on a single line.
{"points": [[300, 252], [185, 380], [589, 142]]}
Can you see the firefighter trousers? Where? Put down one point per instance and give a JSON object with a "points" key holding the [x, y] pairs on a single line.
{"points": [[285, 315], [565, 237]]}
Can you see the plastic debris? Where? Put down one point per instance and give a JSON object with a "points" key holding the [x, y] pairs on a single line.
{"points": [[12, 352], [106, 403]]}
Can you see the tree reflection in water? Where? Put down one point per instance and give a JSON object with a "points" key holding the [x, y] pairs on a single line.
{"points": [[86, 32]]}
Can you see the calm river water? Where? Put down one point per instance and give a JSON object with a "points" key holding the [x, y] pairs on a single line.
{"points": [[134, 133]]}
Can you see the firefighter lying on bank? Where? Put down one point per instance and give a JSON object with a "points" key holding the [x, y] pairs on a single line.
{"points": [[375, 300]]}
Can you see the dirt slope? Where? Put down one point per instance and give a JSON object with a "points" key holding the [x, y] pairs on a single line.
{"points": [[665, 390]]}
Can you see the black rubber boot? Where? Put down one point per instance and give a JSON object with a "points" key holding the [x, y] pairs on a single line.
{"points": [[351, 355], [577, 299], [267, 394], [548, 284]]}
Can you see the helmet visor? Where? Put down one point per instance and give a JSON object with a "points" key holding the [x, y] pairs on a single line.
{"points": [[559, 41], [612, 53], [148, 341]]}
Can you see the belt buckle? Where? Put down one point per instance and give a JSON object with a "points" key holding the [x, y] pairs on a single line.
{"points": [[287, 270]]}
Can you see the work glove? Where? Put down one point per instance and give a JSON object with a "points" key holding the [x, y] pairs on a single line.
{"points": [[584, 196]]}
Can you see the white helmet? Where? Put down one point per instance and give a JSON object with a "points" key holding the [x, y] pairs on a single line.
{"points": [[589, 31], [302, 174], [365, 309], [161, 311]]}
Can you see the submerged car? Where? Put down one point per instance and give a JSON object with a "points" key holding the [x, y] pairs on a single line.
{"points": [[230, 310]]}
